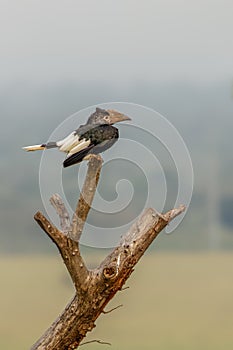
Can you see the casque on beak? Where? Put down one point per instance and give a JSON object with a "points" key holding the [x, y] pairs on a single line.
{"points": [[116, 117]]}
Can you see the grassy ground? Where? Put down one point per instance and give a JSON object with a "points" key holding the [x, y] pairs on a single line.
{"points": [[175, 301]]}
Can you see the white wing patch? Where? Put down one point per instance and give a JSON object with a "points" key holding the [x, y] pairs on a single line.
{"points": [[71, 144], [66, 144], [79, 147]]}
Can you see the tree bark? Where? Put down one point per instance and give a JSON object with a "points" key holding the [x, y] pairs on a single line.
{"points": [[94, 288]]}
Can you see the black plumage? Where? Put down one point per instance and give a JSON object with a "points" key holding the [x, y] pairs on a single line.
{"points": [[96, 136], [101, 138]]}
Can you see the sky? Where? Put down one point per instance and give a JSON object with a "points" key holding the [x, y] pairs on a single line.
{"points": [[173, 56], [116, 41]]}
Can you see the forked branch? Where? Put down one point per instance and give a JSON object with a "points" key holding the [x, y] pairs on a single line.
{"points": [[94, 288]]}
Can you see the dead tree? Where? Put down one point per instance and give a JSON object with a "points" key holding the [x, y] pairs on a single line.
{"points": [[94, 288]]}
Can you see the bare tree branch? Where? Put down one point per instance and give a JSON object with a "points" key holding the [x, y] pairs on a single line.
{"points": [[95, 288], [96, 341], [69, 251], [113, 309], [86, 197], [62, 212], [56, 235], [67, 239]]}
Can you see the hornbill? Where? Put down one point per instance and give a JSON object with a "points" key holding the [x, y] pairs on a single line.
{"points": [[96, 136]]}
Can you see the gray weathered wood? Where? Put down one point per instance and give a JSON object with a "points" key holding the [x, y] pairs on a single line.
{"points": [[95, 288], [62, 212]]}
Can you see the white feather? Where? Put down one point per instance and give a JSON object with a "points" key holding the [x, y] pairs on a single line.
{"points": [[80, 146], [33, 148], [68, 142]]}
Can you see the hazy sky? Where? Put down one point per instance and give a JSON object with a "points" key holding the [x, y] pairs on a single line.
{"points": [[116, 40]]}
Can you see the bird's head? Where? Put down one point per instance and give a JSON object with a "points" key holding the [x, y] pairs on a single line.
{"points": [[107, 117]]}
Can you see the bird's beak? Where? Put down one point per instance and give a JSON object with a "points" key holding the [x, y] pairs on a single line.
{"points": [[116, 117]]}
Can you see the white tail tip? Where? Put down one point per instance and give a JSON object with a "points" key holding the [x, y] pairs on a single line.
{"points": [[33, 148]]}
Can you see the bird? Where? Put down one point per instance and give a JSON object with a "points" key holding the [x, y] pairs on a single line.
{"points": [[96, 136]]}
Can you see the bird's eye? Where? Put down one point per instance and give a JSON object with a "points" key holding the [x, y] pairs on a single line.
{"points": [[106, 118]]}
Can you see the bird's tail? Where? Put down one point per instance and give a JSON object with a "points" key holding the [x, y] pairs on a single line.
{"points": [[34, 148], [40, 147]]}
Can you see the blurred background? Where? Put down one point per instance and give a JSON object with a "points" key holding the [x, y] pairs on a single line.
{"points": [[175, 57]]}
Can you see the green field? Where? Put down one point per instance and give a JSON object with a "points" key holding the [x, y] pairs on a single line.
{"points": [[175, 301]]}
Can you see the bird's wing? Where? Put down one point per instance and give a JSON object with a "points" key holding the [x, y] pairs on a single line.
{"points": [[77, 157], [72, 143], [77, 147]]}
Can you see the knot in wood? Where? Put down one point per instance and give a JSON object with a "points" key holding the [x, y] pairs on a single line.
{"points": [[110, 272]]}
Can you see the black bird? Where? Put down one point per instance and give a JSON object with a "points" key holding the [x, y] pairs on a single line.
{"points": [[96, 136]]}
